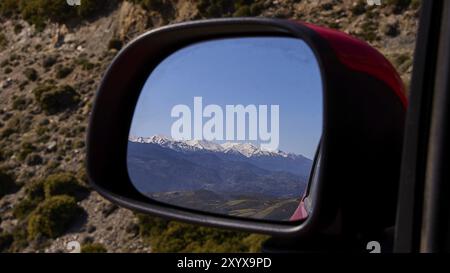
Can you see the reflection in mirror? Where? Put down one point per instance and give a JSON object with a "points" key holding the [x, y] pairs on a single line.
{"points": [[229, 126]]}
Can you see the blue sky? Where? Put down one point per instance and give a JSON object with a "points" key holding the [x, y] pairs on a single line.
{"points": [[261, 71]]}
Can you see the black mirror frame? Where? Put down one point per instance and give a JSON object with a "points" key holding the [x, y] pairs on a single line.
{"points": [[118, 94]]}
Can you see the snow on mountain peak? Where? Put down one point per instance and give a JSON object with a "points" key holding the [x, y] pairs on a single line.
{"points": [[245, 149], [204, 145]]}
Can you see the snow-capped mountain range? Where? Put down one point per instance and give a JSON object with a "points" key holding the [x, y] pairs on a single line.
{"points": [[245, 149], [161, 164]]}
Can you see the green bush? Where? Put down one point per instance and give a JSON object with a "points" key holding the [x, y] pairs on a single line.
{"points": [[34, 159], [7, 184], [16, 124], [52, 217], [63, 71], [20, 238], [4, 62], [7, 70], [14, 57], [115, 44], [256, 8], [3, 41], [359, 8], [49, 61], [35, 194], [215, 8], [190, 238], [166, 236], [35, 190], [31, 74], [55, 99], [23, 84], [85, 64], [151, 226], [20, 103], [243, 11], [93, 248], [17, 28], [26, 149], [63, 184], [391, 30], [399, 5], [25, 207]]}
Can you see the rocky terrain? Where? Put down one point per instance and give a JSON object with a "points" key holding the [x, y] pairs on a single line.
{"points": [[48, 77]]}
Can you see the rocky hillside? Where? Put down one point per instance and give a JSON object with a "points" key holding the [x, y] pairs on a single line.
{"points": [[50, 66]]}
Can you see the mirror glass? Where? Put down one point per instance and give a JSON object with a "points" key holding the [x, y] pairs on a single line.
{"points": [[229, 126]]}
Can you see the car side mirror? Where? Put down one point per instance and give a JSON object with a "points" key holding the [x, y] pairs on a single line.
{"points": [[263, 125]]}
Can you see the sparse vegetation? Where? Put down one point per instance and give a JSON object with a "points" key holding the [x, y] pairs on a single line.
{"points": [[14, 57], [26, 149], [215, 8], [7, 70], [35, 190], [55, 99], [4, 63], [85, 64], [93, 248], [167, 236], [15, 124], [369, 27], [38, 12], [115, 44], [31, 74], [391, 30], [3, 41], [34, 159], [63, 71], [20, 103], [224, 8], [7, 183], [49, 61]]}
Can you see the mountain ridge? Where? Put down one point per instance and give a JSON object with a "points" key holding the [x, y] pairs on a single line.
{"points": [[246, 149], [155, 168]]}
